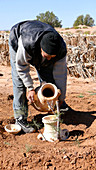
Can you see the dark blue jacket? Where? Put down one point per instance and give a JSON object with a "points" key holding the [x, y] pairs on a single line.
{"points": [[31, 33]]}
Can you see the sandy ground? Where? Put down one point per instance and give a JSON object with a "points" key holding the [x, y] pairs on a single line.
{"points": [[25, 151], [81, 29]]}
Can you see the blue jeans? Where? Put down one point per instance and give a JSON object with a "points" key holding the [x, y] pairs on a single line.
{"points": [[20, 105]]}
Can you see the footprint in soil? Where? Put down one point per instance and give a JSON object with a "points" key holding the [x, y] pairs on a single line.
{"points": [[10, 97], [1, 129], [1, 74], [76, 133]]}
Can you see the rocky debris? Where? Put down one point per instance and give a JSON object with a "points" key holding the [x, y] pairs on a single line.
{"points": [[81, 54], [4, 49]]}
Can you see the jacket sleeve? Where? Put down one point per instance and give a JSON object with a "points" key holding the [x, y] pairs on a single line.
{"points": [[23, 66]]}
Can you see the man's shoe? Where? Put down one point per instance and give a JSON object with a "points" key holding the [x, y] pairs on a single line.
{"points": [[25, 126], [64, 107]]}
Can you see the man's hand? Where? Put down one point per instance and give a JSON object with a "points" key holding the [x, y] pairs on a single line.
{"points": [[31, 95]]}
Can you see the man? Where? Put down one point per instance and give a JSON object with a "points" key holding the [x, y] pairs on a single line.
{"points": [[38, 44]]}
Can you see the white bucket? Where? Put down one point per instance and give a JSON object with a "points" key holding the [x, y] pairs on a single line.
{"points": [[50, 129]]}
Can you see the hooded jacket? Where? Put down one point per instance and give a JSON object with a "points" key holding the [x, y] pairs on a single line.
{"points": [[31, 33]]}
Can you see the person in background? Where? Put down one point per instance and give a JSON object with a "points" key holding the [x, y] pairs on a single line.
{"points": [[40, 45]]}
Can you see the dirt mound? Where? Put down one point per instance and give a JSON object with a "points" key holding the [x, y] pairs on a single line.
{"points": [[25, 151], [79, 29]]}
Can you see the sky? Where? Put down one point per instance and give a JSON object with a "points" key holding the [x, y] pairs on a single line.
{"points": [[14, 11]]}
